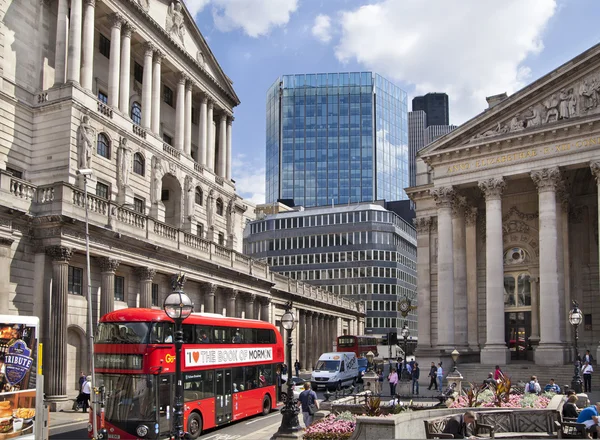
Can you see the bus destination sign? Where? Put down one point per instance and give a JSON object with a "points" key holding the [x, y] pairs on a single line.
{"points": [[196, 357]]}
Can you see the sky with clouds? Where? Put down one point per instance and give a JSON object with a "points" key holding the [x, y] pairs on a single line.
{"points": [[468, 49]]}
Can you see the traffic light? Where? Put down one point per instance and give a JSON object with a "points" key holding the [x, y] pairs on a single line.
{"points": [[393, 339]]}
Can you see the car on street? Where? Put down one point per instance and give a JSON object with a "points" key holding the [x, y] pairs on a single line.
{"points": [[297, 384]]}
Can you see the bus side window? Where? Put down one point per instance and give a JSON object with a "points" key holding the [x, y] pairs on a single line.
{"points": [[237, 377], [263, 336], [188, 334], [208, 384], [202, 335], [250, 336]]}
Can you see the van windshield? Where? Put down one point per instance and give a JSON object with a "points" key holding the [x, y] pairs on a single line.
{"points": [[362, 362], [328, 365]]}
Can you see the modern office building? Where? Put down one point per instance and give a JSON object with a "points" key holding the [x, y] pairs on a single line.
{"points": [[432, 132], [362, 251], [336, 138], [417, 121], [435, 106]]}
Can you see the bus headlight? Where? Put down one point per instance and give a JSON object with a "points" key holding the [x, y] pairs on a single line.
{"points": [[102, 434], [142, 431], [90, 427]]}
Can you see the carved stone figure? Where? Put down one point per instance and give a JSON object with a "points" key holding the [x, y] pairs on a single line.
{"points": [[145, 4], [535, 119], [572, 103], [200, 58], [515, 123], [190, 197], [175, 22], [125, 164], [563, 106], [157, 175], [551, 105], [85, 142]]}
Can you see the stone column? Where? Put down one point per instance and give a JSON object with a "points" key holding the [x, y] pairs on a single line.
{"points": [[147, 87], [315, 336], [108, 267], [56, 355], [74, 50], [264, 309], [228, 151], [146, 275], [494, 351], [180, 113], [156, 91], [209, 299], [202, 132], [595, 167], [549, 352], [566, 269], [114, 64], [222, 145], [471, 251], [443, 197], [125, 77], [187, 129], [87, 54], [423, 224], [232, 295], [561, 195], [302, 338], [210, 141], [62, 31], [250, 300], [535, 311], [310, 359], [460, 272]]}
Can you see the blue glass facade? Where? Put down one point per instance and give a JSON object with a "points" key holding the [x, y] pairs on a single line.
{"points": [[336, 137]]}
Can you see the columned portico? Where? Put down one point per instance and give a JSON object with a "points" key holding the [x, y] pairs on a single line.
{"points": [[87, 53], [202, 131], [62, 31], [180, 113], [74, 50], [156, 90], [108, 267], [460, 272], [114, 64], [209, 298], [494, 350], [471, 273], [145, 275], [125, 67], [187, 136], [423, 225], [149, 50], [222, 145]]}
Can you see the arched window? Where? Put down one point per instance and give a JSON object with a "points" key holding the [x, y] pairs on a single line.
{"points": [[199, 196], [219, 207], [136, 113], [103, 146], [139, 164]]}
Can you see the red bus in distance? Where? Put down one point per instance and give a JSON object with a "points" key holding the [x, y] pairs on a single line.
{"points": [[228, 371], [360, 345]]}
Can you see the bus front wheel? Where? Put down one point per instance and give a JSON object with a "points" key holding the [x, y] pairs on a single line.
{"points": [[194, 425], [266, 407]]}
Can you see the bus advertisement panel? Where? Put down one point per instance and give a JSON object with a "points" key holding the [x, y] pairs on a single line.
{"points": [[21, 395], [228, 368]]}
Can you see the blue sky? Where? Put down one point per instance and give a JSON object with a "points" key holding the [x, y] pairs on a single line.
{"points": [[469, 49]]}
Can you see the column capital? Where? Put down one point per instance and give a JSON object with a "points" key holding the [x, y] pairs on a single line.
{"points": [[459, 203], [127, 29], [251, 297], [233, 293], [595, 167], [212, 289], [203, 97], [158, 56], [91, 3], [492, 189], [145, 273], [223, 117], [149, 48], [443, 196], [547, 179], [470, 215], [230, 119], [59, 254], [422, 224], [189, 85], [264, 301], [182, 78], [108, 264], [116, 20]]}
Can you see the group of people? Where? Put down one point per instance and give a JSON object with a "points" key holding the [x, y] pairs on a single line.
{"points": [[413, 371]]}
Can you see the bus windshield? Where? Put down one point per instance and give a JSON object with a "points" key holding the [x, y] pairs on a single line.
{"points": [[123, 333], [328, 365], [346, 342], [128, 397]]}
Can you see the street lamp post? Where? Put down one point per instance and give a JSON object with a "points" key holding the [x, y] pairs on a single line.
{"points": [[178, 306], [289, 419], [87, 172], [455, 354], [405, 333], [575, 318]]}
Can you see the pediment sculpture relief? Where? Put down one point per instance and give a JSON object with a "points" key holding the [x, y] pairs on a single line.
{"points": [[581, 98], [175, 23], [145, 4]]}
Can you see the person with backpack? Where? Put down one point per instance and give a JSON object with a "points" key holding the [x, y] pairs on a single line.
{"points": [[309, 403], [533, 386]]}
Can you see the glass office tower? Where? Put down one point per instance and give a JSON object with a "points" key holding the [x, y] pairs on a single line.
{"points": [[336, 138]]}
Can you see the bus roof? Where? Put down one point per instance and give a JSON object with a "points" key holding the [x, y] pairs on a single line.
{"points": [[156, 315]]}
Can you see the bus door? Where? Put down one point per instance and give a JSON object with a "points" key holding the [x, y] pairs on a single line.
{"points": [[164, 410], [223, 397]]}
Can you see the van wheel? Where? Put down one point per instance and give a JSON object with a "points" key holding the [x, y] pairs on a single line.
{"points": [[194, 425], [266, 406], [339, 386]]}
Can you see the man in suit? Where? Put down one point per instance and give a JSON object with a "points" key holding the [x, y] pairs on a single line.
{"points": [[457, 425]]}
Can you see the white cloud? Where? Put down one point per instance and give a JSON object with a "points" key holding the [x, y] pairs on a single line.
{"points": [[249, 178], [254, 17], [322, 28], [195, 6], [470, 51]]}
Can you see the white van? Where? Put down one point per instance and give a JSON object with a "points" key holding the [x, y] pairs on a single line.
{"points": [[335, 370]]}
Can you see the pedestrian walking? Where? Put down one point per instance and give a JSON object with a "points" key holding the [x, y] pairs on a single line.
{"points": [[297, 367], [86, 391], [309, 403], [440, 376], [416, 371], [587, 371], [393, 380], [81, 380], [432, 376]]}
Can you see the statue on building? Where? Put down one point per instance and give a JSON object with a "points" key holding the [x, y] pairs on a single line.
{"points": [[190, 197], [231, 218], [157, 175], [572, 103], [515, 123], [200, 58], [175, 22], [125, 164], [551, 105], [563, 106], [145, 4], [85, 142], [535, 119]]}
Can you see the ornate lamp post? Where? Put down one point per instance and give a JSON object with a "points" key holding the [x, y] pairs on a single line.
{"points": [[178, 306], [455, 354], [289, 421], [405, 333], [575, 318], [370, 357]]}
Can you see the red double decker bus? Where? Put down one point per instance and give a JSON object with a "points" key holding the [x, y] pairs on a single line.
{"points": [[228, 371], [360, 345]]}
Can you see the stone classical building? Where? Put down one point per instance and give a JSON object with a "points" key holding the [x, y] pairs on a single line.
{"points": [[507, 224], [130, 90]]}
